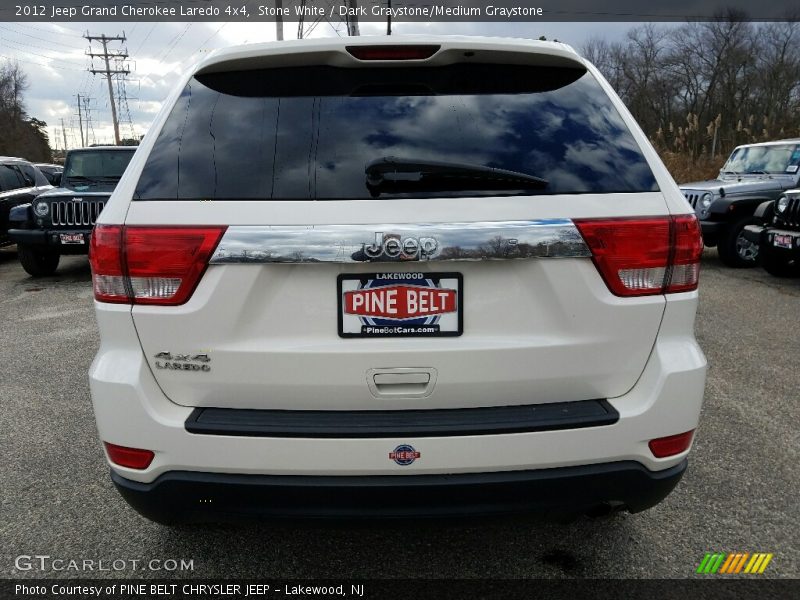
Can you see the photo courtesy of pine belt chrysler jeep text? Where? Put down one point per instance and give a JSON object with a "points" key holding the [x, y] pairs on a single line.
{"points": [[387, 277]]}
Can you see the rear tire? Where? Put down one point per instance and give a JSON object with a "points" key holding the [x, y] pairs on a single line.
{"points": [[778, 265], [734, 249], [38, 262]]}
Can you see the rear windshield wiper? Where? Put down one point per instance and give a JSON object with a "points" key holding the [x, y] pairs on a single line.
{"points": [[82, 178], [390, 174]]}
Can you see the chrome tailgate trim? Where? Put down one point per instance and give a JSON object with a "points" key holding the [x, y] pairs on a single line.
{"points": [[467, 241]]}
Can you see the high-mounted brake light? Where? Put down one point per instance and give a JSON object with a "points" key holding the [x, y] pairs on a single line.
{"points": [[150, 265], [645, 255], [393, 52], [132, 458], [671, 445]]}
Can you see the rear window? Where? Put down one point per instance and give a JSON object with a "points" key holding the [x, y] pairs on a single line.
{"points": [[100, 163], [309, 133]]}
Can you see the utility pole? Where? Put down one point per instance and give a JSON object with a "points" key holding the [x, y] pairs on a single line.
{"points": [[109, 72], [80, 121], [64, 134], [389, 19], [352, 21], [279, 20]]}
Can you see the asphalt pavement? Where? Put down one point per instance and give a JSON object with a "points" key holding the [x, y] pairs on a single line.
{"points": [[739, 494]]}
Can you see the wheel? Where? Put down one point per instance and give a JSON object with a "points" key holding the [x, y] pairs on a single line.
{"points": [[779, 265], [734, 249], [38, 262]]}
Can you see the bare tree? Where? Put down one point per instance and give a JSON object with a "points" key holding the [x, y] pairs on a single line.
{"points": [[703, 88]]}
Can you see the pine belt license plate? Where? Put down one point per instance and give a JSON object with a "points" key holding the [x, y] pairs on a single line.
{"points": [[782, 241], [400, 305], [72, 238]]}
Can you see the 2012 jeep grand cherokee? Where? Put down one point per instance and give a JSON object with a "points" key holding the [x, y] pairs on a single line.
{"points": [[395, 277]]}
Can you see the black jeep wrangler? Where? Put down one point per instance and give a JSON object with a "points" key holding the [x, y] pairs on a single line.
{"points": [[778, 235], [60, 221], [20, 183], [752, 175]]}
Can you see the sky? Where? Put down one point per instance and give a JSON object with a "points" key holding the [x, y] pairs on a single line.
{"points": [[53, 55]]}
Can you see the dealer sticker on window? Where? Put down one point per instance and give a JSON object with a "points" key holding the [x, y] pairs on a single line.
{"points": [[400, 305]]}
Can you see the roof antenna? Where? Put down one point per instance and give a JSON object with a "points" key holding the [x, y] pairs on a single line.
{"points": [[389, 19]]}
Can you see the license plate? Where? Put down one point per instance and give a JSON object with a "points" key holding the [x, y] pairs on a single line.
{"points": [[782, 241], [72, 238], [400, 305]]}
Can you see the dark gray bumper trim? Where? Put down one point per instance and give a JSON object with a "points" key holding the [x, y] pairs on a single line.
{"points": [[184, 496], [491, 420]]}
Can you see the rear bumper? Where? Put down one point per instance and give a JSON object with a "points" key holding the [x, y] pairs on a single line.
{"points": [[51, 239], [183, 496]]}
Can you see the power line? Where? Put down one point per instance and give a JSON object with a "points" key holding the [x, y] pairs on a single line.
{"points": [[47, 31], [37, 54], [14, 58], [39, 38]]}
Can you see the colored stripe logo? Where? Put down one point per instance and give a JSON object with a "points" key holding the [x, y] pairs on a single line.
{"points": [[734, 562]]}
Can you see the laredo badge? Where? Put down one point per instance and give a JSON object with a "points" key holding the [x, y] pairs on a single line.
{"points": [[183, 362]]}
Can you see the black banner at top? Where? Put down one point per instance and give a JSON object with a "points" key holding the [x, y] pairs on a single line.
{"points": [[397, 10]]}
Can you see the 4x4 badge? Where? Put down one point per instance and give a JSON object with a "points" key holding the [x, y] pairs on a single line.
{"points": [[183, 362]]}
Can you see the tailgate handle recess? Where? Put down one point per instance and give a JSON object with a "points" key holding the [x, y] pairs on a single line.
{"points": [[406, 382]]}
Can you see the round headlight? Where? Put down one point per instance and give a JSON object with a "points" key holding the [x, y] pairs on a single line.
{"points": [[781, 204], [706, 200], [41, 208]]}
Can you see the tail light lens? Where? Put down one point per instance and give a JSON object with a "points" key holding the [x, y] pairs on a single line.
{"points": [[671, 445], [132, 458], [647, 255], [105, 257], [688, 247], [150, 265]]}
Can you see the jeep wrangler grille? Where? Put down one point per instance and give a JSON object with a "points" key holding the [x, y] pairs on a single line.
{"points": [[71, 213]]}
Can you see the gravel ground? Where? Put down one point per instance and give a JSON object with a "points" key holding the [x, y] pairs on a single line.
{"points": [[740, 492]]}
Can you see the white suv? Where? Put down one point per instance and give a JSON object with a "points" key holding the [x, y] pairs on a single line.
{"points": [[395, 276]]}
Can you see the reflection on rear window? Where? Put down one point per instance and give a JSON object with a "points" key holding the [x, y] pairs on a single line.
{"points": [[100, 163], [308, 133]]}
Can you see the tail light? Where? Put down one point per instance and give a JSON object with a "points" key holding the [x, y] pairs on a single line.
{"points": [[150, 265], [132, 458], [645, 255], [671, 445], [393, 52]]}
